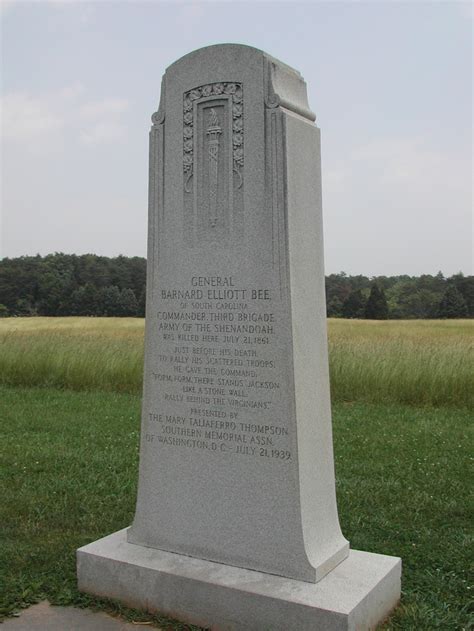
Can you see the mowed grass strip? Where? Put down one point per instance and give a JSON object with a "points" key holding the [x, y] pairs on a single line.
{"points": [[69, 463], [421, 362]]}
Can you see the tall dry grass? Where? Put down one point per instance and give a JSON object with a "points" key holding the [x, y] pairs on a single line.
{"points": [[417, 361], [74, 353], [411, 361]]}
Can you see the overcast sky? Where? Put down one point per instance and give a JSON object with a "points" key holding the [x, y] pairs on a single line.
{"points": [[390, 82]]}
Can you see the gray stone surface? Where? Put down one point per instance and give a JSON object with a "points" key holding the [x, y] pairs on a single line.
{"points": [[357, 594], [236, 457], [236, 460], [44, 617]]}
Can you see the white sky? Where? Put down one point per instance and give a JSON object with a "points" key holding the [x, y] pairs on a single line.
{"points": [[390, 82]]}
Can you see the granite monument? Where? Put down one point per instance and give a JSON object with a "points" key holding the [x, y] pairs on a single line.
{"points": [[236, 524]]}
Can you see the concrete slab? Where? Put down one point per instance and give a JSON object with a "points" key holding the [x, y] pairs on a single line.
{"points": [[44, 617], [357, 595]]}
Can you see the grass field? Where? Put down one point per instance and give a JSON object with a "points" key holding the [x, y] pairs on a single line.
{"points": [[69, 472], [422, 362], [69, 422]]}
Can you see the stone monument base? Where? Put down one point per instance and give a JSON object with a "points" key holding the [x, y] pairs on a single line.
{"points": [[359, 593]]}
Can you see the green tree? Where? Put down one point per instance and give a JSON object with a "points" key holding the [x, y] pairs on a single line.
{"points": [[24, 307], [376, 307], [19, 282], [128, 303], [53, 290], [85, 301], [142, 304], [465, 286], [414, 298], [354, 305], [334, 307], [109, 301], [113, 302], [3, 311], [452, 304]]}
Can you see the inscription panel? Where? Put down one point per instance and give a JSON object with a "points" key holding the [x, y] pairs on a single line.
{"points": [[219, 378]]}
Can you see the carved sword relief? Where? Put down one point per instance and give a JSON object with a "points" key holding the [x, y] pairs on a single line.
{"points": [[213, 132], [213, 160]]}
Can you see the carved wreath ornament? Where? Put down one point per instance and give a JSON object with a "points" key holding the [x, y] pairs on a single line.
{"points": [[234, 92]]}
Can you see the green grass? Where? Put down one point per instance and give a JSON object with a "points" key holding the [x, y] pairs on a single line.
{"points": [[69, 451], [69, 472], [422, 362], [68, 476]]}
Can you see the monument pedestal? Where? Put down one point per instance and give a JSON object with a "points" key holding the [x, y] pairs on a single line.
{"points": [[357, 594]]}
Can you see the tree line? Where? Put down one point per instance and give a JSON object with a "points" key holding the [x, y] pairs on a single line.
{"points": [[400, 297], [67, 284], [90, 285]]}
